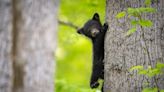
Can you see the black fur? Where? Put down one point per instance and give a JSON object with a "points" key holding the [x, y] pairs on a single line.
{"points": [[96, 32]]}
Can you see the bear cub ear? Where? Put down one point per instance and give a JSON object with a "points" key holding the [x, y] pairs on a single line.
{"points": [[96, 17]]}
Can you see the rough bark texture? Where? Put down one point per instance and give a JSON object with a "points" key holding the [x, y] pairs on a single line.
{"points": [[5, 46], [27, 43], [121, 52]]}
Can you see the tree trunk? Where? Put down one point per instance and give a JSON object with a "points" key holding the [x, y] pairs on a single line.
{"points": [[27, 43], [122, 52], [5, 46]]}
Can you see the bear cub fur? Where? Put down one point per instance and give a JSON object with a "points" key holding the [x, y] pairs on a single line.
{"points": [[94, 30]]}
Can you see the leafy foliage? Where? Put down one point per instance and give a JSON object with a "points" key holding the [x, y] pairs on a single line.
{"points": [[147, 2], [150, 72], [121, 14], [150, 90], [131, 31], [138, 67], [135, 15], [137, 11], [145, 23]]}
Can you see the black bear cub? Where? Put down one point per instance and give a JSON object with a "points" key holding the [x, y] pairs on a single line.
{"points": [[96, 32]]}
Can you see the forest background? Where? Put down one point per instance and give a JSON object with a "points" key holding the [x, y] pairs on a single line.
{"points": [[74, 51]]}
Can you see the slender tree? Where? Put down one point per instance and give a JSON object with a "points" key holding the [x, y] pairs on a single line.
{"points": [[123, 52]]}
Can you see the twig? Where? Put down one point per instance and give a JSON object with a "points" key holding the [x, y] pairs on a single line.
{"points": [[68, 24], [148, 53]]}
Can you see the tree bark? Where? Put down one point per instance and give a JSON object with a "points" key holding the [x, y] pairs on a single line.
{"points": [[122, 52], [5, 46], [28, 31]]}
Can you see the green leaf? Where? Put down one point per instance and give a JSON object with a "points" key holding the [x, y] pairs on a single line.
{"points": [[131, 31], [138, 11], [145, 23], [138, 67], [159, 65], [147, 2], [133, 12], [150, 10], [144, 72], [134, 22], [153, 72], [150, 90], [146, 10], [120, 15]]}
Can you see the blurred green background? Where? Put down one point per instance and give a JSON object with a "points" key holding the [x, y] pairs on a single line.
{"points": [[74, 51]]}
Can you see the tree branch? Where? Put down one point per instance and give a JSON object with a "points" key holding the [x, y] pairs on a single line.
{"points": [[68, 24]]}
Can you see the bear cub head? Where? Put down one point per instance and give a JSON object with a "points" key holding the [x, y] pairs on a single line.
{"points": [[92, 27]]}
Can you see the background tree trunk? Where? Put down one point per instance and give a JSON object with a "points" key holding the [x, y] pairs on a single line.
{"points": [[121, 52], [5, 46], [27, 43]]}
